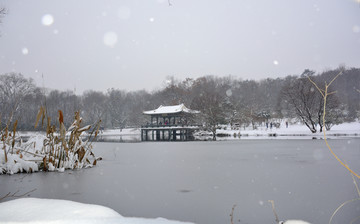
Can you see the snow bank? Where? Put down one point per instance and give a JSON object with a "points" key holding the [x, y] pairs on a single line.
{"points": [[293, 130], [294, 222], [34, 210]]}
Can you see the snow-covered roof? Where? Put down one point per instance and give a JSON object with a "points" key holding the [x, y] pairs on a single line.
{"points": [[171, 110]]}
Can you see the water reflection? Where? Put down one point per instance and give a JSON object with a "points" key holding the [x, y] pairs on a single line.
{"points": [[119, 138]]}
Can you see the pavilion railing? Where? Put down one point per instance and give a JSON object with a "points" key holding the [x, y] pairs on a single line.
{"points": [[169, 125]]}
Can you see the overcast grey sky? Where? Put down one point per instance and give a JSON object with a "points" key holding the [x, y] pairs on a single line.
{"points": [[134, 44]]}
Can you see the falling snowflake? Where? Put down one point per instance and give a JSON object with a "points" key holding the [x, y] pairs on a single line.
{"points": [[276, 62], [356, 29], [25, 51], [228, 92], [110, 39], [47, 20]]}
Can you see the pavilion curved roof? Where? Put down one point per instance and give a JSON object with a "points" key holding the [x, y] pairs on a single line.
{"points": [[171, 110]]}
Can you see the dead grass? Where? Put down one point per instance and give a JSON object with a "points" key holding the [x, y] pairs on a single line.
{"points": [[324, 92], [65, 148], [61, 148]]}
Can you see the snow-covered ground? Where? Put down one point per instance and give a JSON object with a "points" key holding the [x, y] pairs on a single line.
{"points": [[38, 211], [293, 131]]}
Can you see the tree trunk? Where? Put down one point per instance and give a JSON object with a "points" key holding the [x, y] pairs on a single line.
{"points": [[214, 133], [312, 128]]}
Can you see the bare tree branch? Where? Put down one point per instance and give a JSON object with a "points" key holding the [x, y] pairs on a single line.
{"points": [[15, 195], [274, 211], [325, 95], [232, 214], [3, 12]]}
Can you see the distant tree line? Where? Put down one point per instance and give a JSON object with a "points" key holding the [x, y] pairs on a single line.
{"points": [[221, 100]]}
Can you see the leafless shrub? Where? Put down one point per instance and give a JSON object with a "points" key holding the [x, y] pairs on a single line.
{"points": [[16, 195]]}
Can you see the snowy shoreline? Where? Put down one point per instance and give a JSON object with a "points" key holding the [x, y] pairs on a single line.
{"points": [[294, 131], [36, 210]]}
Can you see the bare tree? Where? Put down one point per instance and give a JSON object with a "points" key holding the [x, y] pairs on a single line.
{"points": [[94, 106], [2, 13], [300, 95], [137, 102], [14, 87], [29, 108], [66, 101], [210, 102], [325, 93], [116, 107], [305, 102]]}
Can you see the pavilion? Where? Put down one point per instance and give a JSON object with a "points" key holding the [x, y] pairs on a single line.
{"points": [[169, 123]]}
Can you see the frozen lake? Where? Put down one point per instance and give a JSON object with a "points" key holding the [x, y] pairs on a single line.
{"points": [[201, 181]]}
